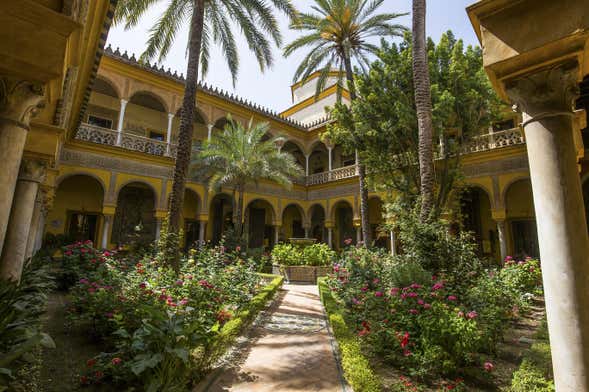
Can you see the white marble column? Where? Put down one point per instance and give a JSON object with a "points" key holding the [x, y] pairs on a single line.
{"points": [[276, 234], [393, 243], [106, 228], [31, 173], [307, 164], [502, 239], [202, 227], [19, 102], [358, 234], [121, 121], [546, 99], [209, 131], [35, 222], [329, 158], [158, 228], [307, 231], [330, 237], [169, 134]]}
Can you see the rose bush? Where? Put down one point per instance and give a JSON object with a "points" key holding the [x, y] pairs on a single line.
{"points": [[158, 324]]}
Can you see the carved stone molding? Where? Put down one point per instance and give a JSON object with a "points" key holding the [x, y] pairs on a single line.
{"points": [[20, 100], [548, 92], [496, 167], [76, 9], [32, 170], [64, 106]]}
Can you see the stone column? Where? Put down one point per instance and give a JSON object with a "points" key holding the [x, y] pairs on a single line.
{"points": [[307, 231], [210, 131], [202, 231], [121, 121], [106, 228], [329, 158], [276, 234], [502, 239], [35, 222], [358, 234], [546, 99], [307, 164], [330, 237], [158, 228], [169, 133], [393, 243], [48, 197], [15, 246], [19, 102]]}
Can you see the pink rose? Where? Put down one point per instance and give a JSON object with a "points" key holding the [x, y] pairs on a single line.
{"points": [[489, 366], [451, 298], [378, 294]]}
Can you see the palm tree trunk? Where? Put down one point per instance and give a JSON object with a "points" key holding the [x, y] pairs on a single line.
{"points": [[423, 104], [186, 126], [366, 235]]}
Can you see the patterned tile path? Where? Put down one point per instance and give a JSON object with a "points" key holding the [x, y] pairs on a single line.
{"points": [[290, 350]]}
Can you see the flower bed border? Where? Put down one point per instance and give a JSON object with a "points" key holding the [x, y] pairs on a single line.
{"points": [[356, 366], [234, 327]]}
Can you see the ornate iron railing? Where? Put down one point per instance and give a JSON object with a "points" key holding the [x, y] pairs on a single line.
{"points": [[95, 134]]}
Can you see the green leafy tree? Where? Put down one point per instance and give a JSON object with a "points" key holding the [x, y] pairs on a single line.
{"points": [[239, 156], [385, 116], [210, 22], [336, 36]]}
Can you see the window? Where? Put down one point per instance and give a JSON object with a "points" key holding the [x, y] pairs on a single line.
{"points": [[100, 121], [156, 136], [348, 161]]}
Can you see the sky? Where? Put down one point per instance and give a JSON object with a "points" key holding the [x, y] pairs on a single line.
{"points": [[271, 89]]}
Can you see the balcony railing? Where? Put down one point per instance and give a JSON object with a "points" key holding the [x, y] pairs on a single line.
{"points": [[94, 134], [491, 141], [334, 175]]}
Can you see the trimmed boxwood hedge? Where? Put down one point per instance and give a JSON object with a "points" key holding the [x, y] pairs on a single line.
{"points": [[234, 327], [357, 370]]}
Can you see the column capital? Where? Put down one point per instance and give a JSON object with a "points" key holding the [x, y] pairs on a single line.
{"points": [[32, 170], [499, 215], [547, 92], [171, 116], [124, 101], [20, 100]]}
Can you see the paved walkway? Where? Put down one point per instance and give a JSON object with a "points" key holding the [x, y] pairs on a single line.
{"points": [[290, 351]]}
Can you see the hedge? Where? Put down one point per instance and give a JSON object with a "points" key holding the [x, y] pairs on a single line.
{"points": [[234, 327], [356, 366]]}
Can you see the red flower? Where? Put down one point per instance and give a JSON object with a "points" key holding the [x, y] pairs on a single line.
{"points": [[405, 340], [91, 362], [84, 380], [98, 374], [116, 361], [489, 366]]}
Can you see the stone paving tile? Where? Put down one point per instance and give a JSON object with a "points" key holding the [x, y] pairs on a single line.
{"points": [[289, 352]]}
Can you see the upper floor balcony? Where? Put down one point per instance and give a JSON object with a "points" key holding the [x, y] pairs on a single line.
{"points": [[95, 134]]}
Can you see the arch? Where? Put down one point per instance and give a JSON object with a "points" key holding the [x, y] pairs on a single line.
{"points": [[477, 217], [64, 177], [296, 151], [190, 211], [199, 116], [220, 123], [293, 221], [316, 216], [134, 221], [104, 85], [138, 181], [343, 217], [521, 219], [318, 157], [508, 185], [149, 100], [336, 202], [220, 216], [77, 207], [259, 227]]}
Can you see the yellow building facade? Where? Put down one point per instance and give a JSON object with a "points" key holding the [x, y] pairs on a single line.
{"points": [[113, 179]]}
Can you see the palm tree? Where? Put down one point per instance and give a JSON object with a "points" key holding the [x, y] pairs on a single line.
{"points": [[239, 156], [336, 36], [210, 23], [423, 106]]}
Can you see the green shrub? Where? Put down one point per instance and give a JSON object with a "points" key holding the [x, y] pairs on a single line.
{"points": [[535, 371], [287, 254], [355, 365], [318, 255], [313, 255], [403, 274], [21, 308]]}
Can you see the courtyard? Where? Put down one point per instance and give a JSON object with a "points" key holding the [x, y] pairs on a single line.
{"points": [[326, 195]]}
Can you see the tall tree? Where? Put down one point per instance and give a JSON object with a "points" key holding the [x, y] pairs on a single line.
{"points": [[241, 155], [210, 22], [423, 105], [336, 36], [384, 115]]}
